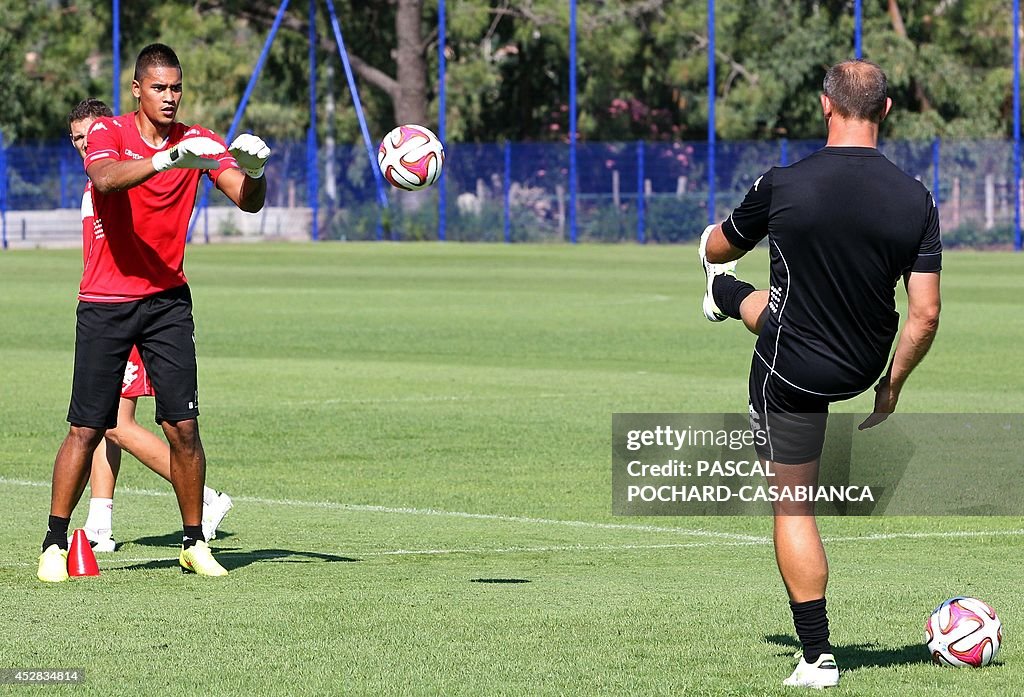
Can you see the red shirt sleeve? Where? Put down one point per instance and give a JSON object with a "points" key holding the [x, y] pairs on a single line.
{"points": [[104, 141]]}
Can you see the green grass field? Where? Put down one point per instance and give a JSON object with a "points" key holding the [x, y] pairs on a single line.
{"points": [[417, 441]]}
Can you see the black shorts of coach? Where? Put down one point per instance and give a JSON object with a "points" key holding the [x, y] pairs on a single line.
{"points": [[161, 326], [788, 422]]}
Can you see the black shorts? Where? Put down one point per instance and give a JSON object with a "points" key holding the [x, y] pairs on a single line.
{"points": [[162, 327], [791, 419]]}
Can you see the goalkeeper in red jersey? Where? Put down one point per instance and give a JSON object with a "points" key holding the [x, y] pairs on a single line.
{"points": [[129, 434], [145, 168]]}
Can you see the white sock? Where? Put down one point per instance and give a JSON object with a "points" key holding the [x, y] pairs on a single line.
{"points": [[101, 514], [209, 496]]}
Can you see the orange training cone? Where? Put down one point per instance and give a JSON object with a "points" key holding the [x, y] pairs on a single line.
{"points": [[81, 560]]}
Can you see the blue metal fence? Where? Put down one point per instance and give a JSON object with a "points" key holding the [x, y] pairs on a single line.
{"points": [[518, 192]]}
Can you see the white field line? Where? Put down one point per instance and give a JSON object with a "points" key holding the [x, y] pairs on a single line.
{"points": [[872, 537], [603, 548], [104, 558], [427, 399], [363, 508], [686, 545], [599, 548], [734, 538], [491, 551]]}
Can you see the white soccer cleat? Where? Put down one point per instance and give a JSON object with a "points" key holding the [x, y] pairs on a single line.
{"points": [[821, 674], [100, 540], [711, 272], [213, 514]]}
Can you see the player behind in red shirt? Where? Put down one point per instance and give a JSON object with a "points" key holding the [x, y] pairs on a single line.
{"points": [[128, 435], [145, 168]]}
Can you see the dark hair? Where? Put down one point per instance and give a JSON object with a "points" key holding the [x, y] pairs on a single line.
{"points": [[155, 56], [858, 89], [88, 109]]}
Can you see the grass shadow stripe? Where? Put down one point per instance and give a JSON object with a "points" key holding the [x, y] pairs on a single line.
{"points": [[136, 562]]}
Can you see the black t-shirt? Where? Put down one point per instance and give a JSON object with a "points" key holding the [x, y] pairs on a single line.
{"points": [[843, 226]]}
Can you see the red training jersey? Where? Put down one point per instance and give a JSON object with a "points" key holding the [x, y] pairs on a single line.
{"points": [[89, 236], [136, 380], [138, 236]]}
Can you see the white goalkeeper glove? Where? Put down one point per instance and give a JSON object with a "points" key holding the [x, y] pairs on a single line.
{"points": [[251, 153], [189, 154]]}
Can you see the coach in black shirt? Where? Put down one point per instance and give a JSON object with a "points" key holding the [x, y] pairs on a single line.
{"points": [[844, 225]]}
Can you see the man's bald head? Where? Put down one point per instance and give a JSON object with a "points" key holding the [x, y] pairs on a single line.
{"points": [[857, 90]]}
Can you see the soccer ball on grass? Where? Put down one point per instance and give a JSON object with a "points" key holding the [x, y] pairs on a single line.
{"points": [[963, 632]]}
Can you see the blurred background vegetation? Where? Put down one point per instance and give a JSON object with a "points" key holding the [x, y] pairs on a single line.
{"points": [[642, 65]]}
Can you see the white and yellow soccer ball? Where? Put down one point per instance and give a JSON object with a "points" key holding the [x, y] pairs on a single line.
{"points": [[411, 157], [963, 632]]}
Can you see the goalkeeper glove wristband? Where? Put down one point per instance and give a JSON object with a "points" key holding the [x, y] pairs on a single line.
{"points": [[189, 154]]}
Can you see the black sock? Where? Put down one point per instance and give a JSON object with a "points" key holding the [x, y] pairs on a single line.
{"points": [[191, 534], [811, 622], [56, 532], [728, 292]]}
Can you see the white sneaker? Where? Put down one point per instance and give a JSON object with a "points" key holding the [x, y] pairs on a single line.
{"points": [[213, 514], [821, 674], [711, 272], [99, 540]]}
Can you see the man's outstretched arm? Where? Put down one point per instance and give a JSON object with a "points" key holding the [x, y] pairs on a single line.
{"points": [[719, 249], [108, 174], [923, 306]]}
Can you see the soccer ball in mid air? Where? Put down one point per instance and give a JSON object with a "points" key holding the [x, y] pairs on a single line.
{"points": [[963, 632], [411, 157]]}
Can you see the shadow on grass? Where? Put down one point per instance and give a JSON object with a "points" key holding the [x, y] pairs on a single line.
{"points": [[236, 559], [855, 656], [171, 539]]}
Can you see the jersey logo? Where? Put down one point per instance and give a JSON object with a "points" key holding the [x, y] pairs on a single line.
{"points": [[97, 126], [192, 132], [758, 182], [133, 155]]}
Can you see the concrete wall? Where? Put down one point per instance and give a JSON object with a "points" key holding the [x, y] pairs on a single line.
{"points": [[63, 227]]}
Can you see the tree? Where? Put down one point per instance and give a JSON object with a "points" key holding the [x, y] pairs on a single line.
{"points": [[643, 65], [51, 59]]}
